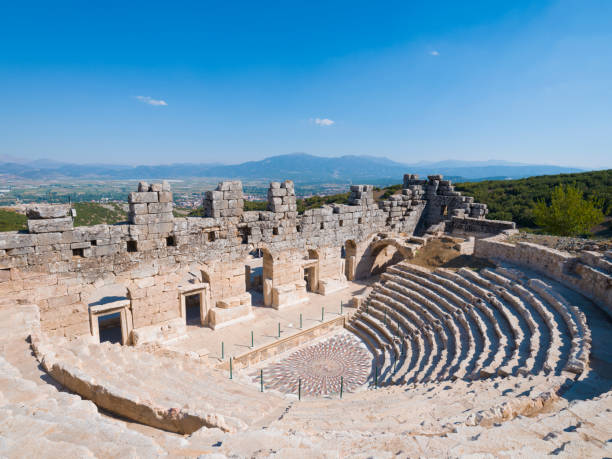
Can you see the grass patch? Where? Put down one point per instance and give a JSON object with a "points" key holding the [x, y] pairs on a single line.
{"points": [[12, 221]]}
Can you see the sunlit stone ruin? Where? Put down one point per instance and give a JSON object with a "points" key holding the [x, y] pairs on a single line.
{"points": [[322, 334]]}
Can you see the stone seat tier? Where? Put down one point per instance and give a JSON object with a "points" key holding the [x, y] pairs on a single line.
{"points": [[540, 341], [138, 385], [494, 340], [389, 304], [377, 309], [364, 329], [37, 417], [458, 335], [439, 320], [518, 319], [383, 338], [453, 305], [463, 300], [574, 320]]}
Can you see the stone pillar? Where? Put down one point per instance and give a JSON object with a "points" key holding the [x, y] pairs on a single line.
{"points": [[225, 201], [151, 208], [281, 199]]}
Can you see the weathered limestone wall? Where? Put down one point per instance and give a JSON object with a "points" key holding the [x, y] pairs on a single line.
{"points": [[590, 273], [65, 270]]}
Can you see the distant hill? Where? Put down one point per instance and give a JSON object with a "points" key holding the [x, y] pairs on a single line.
{"points": [[299, 167]]}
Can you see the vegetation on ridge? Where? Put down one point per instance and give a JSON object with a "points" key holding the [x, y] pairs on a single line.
{"points": [[515, 199], [569, 213]]}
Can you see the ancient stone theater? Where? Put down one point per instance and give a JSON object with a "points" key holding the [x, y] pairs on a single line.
{"points": [[411, 326]]}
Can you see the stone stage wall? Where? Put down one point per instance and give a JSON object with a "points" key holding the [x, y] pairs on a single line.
{"points": [[144, 269]]}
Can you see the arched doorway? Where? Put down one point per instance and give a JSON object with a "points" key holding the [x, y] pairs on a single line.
{"points": [[384, 253]]}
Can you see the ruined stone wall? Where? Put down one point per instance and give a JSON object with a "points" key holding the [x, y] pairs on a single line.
{"points": [[63, 269]]}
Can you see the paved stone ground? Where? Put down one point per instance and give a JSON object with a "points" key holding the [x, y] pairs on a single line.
{"points": [[321, 367], [237, 337]]}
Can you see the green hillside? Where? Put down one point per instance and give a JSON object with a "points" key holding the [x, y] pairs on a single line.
{"points": [[514, 199], [91, 213], [12, 221]]}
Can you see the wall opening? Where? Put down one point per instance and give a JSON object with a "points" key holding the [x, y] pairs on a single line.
{"points": [[359, 221], [341, 223], [322, 225], [383, 257], [310, 278], [349, 252], [93, 243], [109, 327], [132, 246], [275, 231], [444, 211], [211, 236], [77, 253], [193, 308], [170, 241]]}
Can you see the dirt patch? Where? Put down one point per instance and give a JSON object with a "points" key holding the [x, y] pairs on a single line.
{"points": [[567, 244], [445, 253]]}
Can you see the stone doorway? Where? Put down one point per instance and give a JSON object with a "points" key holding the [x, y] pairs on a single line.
{"points": [[112, 321], [310, 277], [109, 327], [194, 299], [193, 309]]}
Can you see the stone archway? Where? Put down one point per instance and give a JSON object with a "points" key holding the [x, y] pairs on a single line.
{"points": [[381, 254]]}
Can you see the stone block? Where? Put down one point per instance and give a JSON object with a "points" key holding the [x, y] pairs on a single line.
{"points": [[165, 196], [14, 240], [50, 225], [155, 187], [45, 211], [144, 197], [138, 209], [159, 207]]}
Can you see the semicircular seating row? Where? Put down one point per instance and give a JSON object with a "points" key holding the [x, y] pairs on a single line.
{"points": [[439, 325]]}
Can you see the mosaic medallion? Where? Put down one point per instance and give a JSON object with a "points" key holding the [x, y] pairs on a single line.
{"points": [[321, 367]]}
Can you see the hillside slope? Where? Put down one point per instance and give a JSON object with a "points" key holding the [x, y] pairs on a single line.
{"points": [[513, 199]]}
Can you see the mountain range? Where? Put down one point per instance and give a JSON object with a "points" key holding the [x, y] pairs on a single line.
{"points": [[299, 167]]}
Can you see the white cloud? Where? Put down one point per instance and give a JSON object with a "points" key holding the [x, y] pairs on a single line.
{"points": [[434, 53], [151, 101], [323, 122]]}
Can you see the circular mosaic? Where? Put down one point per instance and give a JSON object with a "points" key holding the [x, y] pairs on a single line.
{"points": [[321, 368]]}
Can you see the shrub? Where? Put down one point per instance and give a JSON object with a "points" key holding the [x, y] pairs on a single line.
{"points": [[569, 213]]}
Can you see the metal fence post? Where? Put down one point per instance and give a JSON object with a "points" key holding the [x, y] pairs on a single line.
{"points": [[261, 379]]}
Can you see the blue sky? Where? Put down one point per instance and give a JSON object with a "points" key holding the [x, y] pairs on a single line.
{"points": [[160, 82]]}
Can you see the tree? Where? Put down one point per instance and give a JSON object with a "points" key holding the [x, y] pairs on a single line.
{"points": [[569, 213]]}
